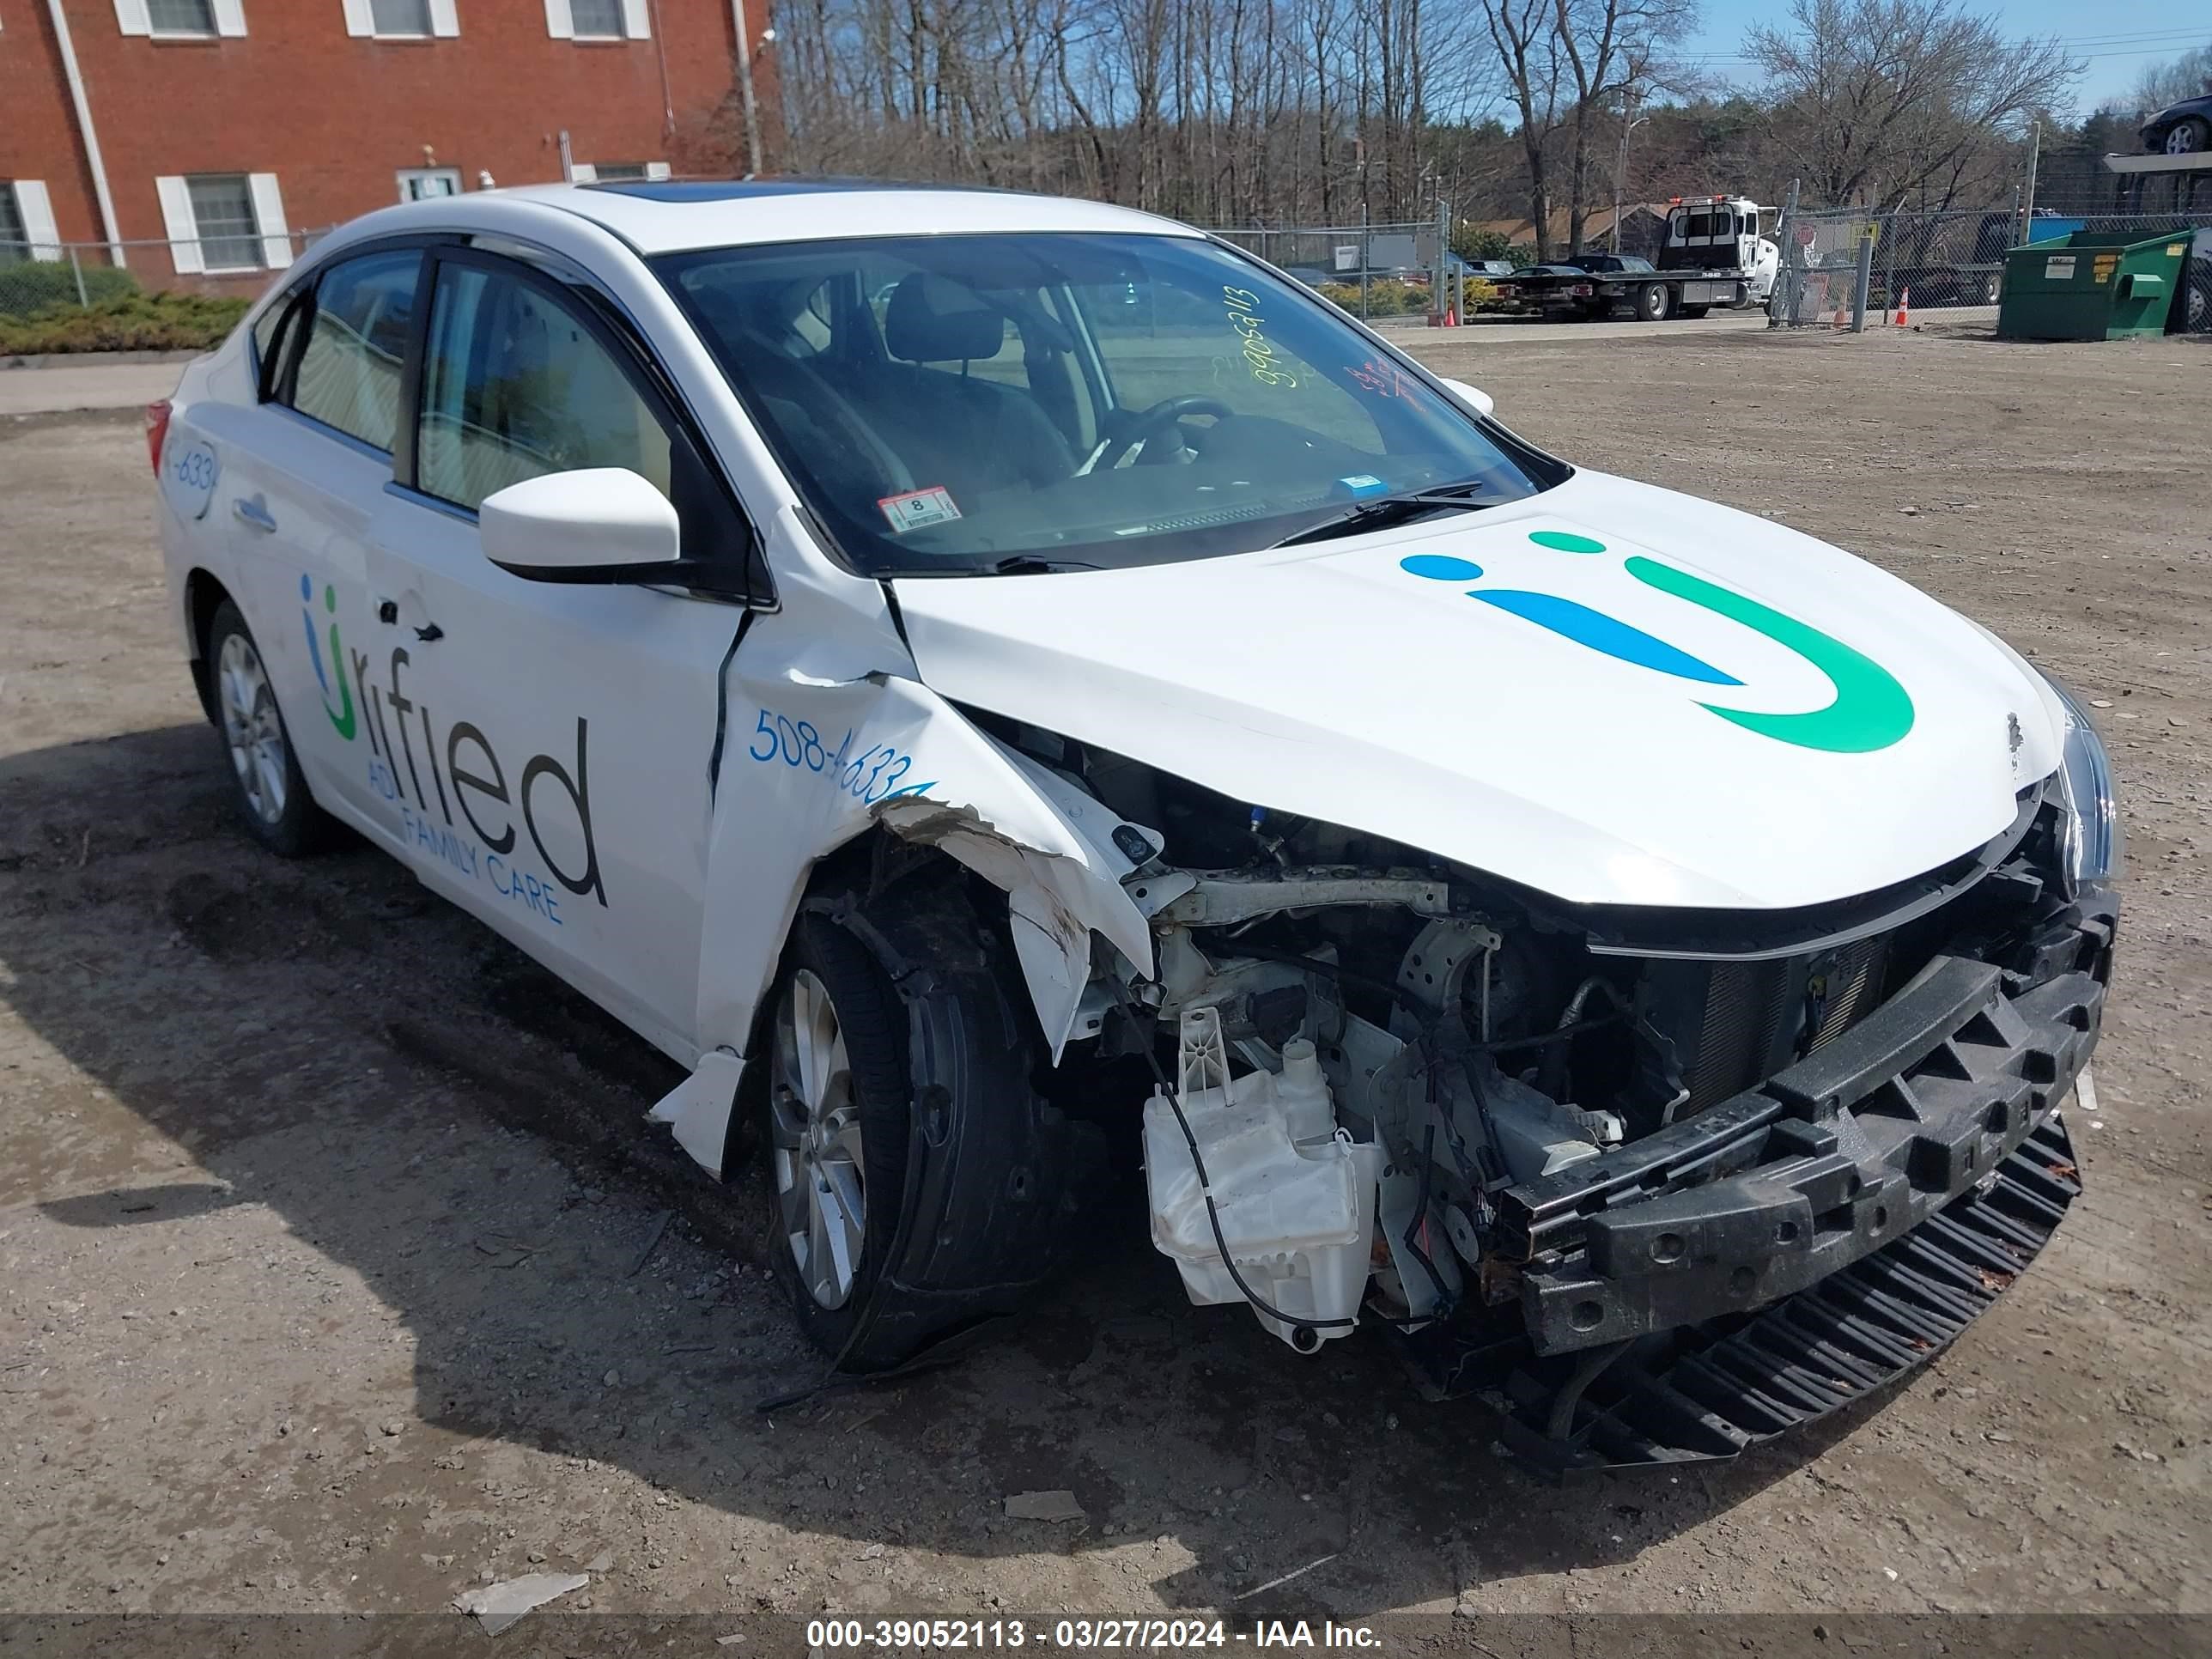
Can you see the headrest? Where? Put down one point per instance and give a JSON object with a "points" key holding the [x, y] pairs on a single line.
{"points": [[931, 320]]}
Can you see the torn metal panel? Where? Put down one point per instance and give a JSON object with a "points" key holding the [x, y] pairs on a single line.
{"points": [[811, 762]]}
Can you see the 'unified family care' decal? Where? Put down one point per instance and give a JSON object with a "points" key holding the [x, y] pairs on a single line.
{"points": [[1870, 709], [489, 857]]}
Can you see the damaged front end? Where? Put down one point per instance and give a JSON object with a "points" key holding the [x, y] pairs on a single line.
{"points": [[1662, 1183]]}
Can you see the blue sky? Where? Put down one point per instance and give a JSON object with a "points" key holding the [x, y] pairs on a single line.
{"points": [[2118, 38]]}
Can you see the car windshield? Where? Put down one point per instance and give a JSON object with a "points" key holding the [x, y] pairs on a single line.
{"points": [[954, 404]]}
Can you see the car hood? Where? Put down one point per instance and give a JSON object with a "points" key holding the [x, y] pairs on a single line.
{"points": [[1608, 692]]}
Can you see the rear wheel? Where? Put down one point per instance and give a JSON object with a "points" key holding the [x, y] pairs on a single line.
{"points": [[1655, 302], [270, 793], [1690, 313], [2189, 137]]}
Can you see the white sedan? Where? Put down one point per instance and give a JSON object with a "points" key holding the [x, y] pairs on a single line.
{"points": [[988, 683]]}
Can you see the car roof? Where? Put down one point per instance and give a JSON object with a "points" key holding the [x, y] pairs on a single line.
{"points": [[664, 217]]}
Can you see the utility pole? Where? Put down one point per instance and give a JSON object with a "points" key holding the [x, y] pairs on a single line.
{"points": [[745, 86], [1620, 162], [2034, 155]]}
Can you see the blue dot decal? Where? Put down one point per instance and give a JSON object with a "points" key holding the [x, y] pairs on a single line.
{"points": [[1602, 633], [306, 589], [1440, 567]]}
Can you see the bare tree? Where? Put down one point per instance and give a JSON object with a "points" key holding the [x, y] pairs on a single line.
{"points": [[2171, 81], [1879, 98], [1526, 34], [1609, 47]]}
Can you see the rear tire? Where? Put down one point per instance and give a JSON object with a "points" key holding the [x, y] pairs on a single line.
{"points": [[2189, 137], [1655, 302], [1690, 313], [266, 784]]}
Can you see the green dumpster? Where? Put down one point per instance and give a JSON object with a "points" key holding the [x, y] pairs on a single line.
{"points": [[2092, 285]]}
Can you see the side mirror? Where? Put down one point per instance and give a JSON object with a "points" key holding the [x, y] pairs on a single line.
{"points": [[596, 523], [1472, 395]]}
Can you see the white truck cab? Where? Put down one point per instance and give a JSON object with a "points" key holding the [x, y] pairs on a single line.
{"points": [[1721, 232]]}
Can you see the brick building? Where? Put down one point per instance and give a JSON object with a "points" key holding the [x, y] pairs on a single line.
{"points": [[204, 136]]}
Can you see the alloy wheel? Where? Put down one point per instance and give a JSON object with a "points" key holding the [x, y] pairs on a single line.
{"points": [[821, 1181], [252, 729]]}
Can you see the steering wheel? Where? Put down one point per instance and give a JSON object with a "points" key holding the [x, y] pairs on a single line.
{"points": [[1134, 431]]}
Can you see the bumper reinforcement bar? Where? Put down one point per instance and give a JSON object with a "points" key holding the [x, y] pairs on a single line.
{"points": [[1712, 1391]]}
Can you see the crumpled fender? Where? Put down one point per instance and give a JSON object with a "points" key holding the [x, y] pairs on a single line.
{"points": [[808, 764]]}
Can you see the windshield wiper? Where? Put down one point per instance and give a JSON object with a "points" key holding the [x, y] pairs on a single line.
{"points": [[1378, 511], [1028, 564]]}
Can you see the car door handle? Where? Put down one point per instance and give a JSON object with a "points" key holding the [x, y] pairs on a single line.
{"points": [[251, 510]]}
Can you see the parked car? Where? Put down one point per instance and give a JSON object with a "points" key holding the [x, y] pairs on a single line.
{"points": [[1618, 945], [2184, 128]]}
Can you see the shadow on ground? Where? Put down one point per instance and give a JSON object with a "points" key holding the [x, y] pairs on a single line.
{"points": [[328, 1041]]}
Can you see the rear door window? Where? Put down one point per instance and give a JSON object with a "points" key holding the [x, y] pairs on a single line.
{"points": [[349, 373]]}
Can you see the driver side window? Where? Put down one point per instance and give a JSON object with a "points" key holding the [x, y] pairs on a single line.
{"points": [[515, 385]]}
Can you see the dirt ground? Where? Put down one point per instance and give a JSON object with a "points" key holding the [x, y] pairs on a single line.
{"points": [[328, 1272]]}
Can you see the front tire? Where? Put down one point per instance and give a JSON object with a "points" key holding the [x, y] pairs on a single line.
{"points": [[2189, 137], [919, 1184], [266, 783]]}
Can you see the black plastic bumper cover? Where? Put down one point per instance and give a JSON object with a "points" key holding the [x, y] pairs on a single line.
{"points": [[1842, 1155]]}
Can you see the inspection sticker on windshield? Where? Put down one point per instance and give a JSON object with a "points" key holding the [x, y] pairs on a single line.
{"points": [[919, 507]]}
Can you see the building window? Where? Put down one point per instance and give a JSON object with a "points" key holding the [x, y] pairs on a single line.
{"points": [[222, 213], [181, 16], [597, 20], [408, 17], [422, 183]]}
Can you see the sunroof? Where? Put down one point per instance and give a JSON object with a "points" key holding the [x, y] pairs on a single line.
{"points": [[733, 189]]}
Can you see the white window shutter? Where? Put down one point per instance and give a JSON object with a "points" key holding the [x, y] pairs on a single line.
{"points": [[230, 17], [360, 20], [37, 209], [445, 18], [560, 21], [131, 17], [177, 218], [637, 23], [269, 215], [583, 173], [656, 171]]}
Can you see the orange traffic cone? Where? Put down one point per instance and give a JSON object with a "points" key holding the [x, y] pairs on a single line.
{"points": [[1904, 304], [1451, 316]]}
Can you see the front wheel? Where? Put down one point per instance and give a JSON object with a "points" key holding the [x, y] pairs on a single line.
{"points": [[2189, 137], [270, 794], [1655, 302], [919, 1184]]}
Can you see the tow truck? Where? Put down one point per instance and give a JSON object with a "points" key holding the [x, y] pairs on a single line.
{"points": [[1712, 255]]}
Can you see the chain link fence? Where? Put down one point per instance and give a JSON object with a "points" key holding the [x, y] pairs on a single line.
{"points": [[1371, 271], [35, 278], [1840, 263]]}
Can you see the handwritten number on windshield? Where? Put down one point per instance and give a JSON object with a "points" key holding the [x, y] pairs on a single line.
{"points": [[1258, 351]]}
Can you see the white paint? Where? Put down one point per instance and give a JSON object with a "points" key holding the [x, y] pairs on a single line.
{"points": [[36, 208], [176, 199], [1322, 680], [594, 516]]}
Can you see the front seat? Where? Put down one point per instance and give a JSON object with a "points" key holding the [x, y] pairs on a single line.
{"points": [[970, 436]]}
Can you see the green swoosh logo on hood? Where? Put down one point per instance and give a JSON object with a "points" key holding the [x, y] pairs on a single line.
{"points": [[1870, 711]]}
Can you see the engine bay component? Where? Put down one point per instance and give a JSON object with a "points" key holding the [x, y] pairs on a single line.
{"points": [[1276, 1183]]}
